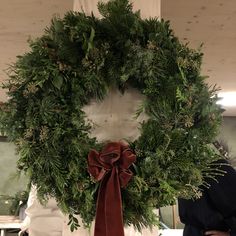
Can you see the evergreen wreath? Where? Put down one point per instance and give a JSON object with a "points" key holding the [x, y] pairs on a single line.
{"points": [[79, 58]]}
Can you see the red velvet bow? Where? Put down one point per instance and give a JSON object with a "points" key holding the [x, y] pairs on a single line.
{"points": [[111, 167]]}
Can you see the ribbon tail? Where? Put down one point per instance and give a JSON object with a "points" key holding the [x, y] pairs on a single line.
{"points": [[100, 221], [113, 207], [109, 217]]}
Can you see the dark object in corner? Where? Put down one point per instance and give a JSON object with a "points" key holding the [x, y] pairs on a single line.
{"points": [[215, 210]]}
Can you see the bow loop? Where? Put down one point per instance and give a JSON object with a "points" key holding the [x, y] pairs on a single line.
{"points": [[124, 177]]}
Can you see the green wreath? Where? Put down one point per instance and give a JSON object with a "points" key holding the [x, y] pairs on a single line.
{"points": [[79, 58]]}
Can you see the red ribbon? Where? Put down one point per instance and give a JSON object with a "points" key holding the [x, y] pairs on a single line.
{"points": [[110, 166]]}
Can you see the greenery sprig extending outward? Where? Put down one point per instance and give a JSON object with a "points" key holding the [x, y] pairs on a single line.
{"points": [[79, 58]]}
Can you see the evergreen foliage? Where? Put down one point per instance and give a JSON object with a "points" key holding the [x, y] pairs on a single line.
{"points": [[79, 58]]}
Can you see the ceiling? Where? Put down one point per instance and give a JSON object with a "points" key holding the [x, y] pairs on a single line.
{"points": [[210, 22], [21, 20]]}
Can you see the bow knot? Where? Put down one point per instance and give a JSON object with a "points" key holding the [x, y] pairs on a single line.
{"points": [[116, 155]]}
